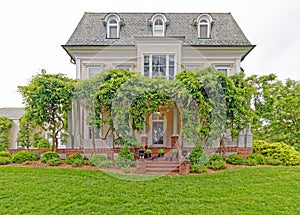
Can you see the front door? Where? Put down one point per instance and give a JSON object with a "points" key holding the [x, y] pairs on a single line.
{"points": [[158, 129]]}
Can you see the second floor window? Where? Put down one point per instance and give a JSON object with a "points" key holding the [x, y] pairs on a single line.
{"points": [[159, 65], [158, 28]]}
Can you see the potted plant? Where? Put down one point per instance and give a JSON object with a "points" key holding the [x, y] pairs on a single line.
{"points": [[161, 153], [175, 153], [148, 153]]}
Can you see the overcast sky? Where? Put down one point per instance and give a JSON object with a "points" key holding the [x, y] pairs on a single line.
{"points": [[33, 31]]}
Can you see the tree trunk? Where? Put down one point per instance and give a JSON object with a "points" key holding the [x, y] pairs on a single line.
{"points": [[53, 141]]}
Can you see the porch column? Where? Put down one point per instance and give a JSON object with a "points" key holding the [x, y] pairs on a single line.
{"points": [[175, 121]]}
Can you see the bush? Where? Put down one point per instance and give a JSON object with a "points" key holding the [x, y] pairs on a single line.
{"points": [[5, 154], [274, 162], [198, 156], [21, 157], [260, 159], [100, 161], [43, 144], [54, 161], [217, 164], [198, 168], [278, 151], [74, 159], [235, 159], [5, 160], [251, 161], [125, 158], [48, 156]]}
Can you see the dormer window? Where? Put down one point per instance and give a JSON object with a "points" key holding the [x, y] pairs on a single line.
{"points": [[158, 22], [158, 28], [113, 23], [204, 22]]}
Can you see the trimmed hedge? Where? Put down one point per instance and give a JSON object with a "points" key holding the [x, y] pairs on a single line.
{"points": [[235, 159], [21, 157], [75, 159], [5, 160], [48, 156]]}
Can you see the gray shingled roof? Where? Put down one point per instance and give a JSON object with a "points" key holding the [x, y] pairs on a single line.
{"points": [[224, 32], [12, 113]]}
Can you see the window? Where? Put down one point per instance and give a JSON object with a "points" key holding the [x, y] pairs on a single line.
{"points": [[223, 68], [113, 28], [93, 71], [113, 23], [158, 28], [204, 22], [159, 65], [203, 27], [159, 22]]}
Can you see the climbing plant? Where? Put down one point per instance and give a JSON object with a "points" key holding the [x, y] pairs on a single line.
{"points": [[5, 125]]}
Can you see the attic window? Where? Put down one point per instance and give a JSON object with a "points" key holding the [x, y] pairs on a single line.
{"points": [[113, 28], [159, 22], [158, 28], [204, 26]]}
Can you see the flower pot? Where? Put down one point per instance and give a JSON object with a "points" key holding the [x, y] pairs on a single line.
{"points": [[161, 155], [147, 155], [175, 155], [154, 158]]}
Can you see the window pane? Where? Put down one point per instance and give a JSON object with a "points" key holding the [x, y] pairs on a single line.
{"points": [[93, 71], [158, 22], [159, 65], [146, 66], [113, 32], [203, 31], [113, 21]]}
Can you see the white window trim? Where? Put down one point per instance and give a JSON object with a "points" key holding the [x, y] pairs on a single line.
{"points": [[209, 21], [107, 20], [164, 21], [167, 63], [226, 67], [93, 66]]}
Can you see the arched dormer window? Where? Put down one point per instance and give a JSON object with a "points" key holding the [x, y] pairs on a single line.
{"points": [[204, 22], [112, 26], [159, 22]]}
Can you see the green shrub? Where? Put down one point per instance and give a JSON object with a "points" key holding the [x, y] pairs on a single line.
{"points": [[86, 162], [198, 168], [198, 156], [43, 143], [54, 161], [235, 159], [274, 162], [5, 160], [215, 157], [278, 151], [21, 157], [5, 154], [74, 159], [217, 164], [100, 161], [77, 162], [125, 158], [251, 161], [48, 155], [260, 159]]}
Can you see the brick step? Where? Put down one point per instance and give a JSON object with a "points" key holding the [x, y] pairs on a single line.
{"points": [[162, 167]]}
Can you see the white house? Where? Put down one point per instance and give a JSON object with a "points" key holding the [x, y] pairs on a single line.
{"points": [[153, 44]]}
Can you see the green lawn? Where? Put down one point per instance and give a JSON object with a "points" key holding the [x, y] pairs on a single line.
{"points": [[249, 190]]}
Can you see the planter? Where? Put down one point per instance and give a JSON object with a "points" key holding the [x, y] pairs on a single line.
{"points": [[147, 155], [161, 155], [141, 154], [184, 153], [154, 158]]}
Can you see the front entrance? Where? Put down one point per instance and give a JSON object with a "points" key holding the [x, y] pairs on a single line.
{"points": [[158, 129]]}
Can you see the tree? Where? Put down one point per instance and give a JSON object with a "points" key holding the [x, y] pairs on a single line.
{"points": [[277, 109], [47, 100], [5, 125]]}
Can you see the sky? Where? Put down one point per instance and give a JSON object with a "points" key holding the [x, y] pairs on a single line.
{"points": [[33, 31]]}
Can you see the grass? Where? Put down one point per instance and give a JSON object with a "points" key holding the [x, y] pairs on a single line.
{"points": [[249, 190]]}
